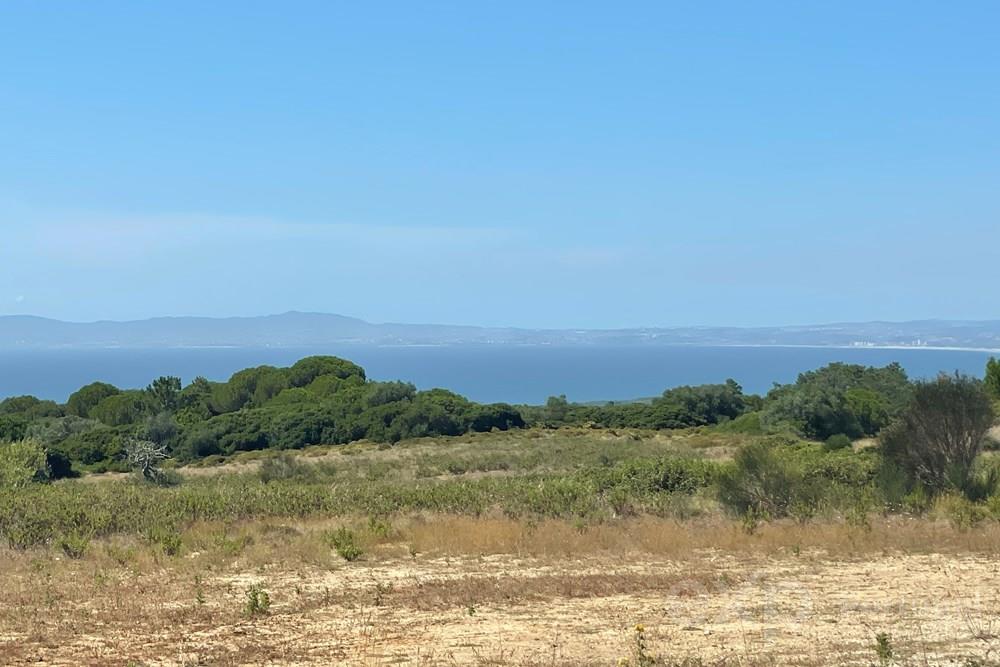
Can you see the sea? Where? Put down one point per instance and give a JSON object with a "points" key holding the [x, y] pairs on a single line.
{"points": [[487, 373]]}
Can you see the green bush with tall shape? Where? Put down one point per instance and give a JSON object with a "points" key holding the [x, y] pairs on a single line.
{"points": [[992, 378], [22, 463], [940, 434]]}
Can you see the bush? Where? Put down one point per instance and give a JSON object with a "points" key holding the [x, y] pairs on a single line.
{"points": [[665, 475], [284, 466], [94, 446], [835, 442], [345, 542], [839, 398], [747, 424], [766, 482], [73, 544], [13, 427], [22, 463], [258, 601], [940, 434]]}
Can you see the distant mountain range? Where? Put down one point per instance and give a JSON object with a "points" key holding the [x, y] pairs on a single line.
{"points": [[297, 329]]}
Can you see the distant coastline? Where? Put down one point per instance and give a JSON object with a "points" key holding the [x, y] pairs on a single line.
{"points": [[296, 329]]}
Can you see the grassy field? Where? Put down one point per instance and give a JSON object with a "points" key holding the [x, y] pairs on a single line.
{"points": [[541, 547]]}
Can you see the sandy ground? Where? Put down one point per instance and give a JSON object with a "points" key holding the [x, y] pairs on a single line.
{"points": [[784, 609]]}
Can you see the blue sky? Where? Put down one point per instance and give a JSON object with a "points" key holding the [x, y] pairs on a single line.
{"points": [[533, 164]]}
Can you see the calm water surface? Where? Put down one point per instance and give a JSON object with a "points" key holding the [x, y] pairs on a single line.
{"points": [[483, 373]]}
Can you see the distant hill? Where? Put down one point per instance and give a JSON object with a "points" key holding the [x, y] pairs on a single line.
{"points": [[295, 329]]}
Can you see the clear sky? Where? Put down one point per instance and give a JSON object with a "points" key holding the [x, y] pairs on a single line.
{"points": [[591, 164]]}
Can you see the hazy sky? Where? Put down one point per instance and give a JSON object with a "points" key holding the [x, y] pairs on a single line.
{"points": [[534, 164]]}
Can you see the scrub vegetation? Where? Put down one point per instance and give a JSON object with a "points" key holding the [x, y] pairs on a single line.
{"points": [[311, 495]]}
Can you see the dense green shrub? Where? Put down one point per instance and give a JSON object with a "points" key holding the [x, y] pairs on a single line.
{"points": [[500, 416], [13, 427], [22, 463], [839, 398], [765, 481], [56, 430], [837, 441], [122, 409], [93, 446], [746, 424], [681, 407], [668, 475], [30, 407]]}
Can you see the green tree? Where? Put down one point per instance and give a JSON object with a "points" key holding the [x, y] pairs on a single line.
{"points": [[556, 410], [30, 407], [162, 429], [696, 406], [251, 387], [195, 402], [165, 393], [839, 398], [308, 369], [992, 380], [127, 407], [85, 399]]}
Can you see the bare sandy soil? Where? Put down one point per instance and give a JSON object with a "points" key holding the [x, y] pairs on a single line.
{"points": [[793, 607]]}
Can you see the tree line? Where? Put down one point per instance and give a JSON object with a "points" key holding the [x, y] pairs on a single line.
{"points": [[328, 400], [318, 400]]}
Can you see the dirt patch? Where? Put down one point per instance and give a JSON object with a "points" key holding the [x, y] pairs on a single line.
{"points": [[807, 608]]}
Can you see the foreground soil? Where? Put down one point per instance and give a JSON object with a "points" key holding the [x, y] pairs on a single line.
{"points": [[751, 603]]}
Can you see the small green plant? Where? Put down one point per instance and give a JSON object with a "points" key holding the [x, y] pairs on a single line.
{"points": [[258, 601], [379, 528], [883, 648], [962, 513], [74, 544], [169, 540], [857, 516], [345, 543], [750, 520], [199, 590]]}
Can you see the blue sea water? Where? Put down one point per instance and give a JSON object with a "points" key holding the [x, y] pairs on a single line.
{"points": [[484, 373]]}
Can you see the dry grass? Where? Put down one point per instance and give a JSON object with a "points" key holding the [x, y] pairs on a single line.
{"points": [[539, 451], [455, 591]]}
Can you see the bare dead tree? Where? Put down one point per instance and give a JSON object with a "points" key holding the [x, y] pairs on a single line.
{"points": [[145, 456]]}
